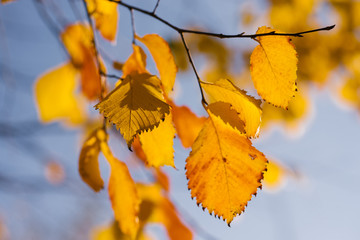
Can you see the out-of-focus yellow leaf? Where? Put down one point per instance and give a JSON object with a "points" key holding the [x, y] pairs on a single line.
{"points": [[136, 63], [224, 169], [55, 95], [105, 14], [157, 144], [298, 109], [350, 91], [123, 195], [247, 107], [163, 58], [88, 162], [77, 40], [187, 124], [113, 232], [135, 105], [54, 173], [273, 65], [274, 175], [157, 208]]}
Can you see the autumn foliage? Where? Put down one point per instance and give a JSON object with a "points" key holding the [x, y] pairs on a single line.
{"points": [[224, 170]]}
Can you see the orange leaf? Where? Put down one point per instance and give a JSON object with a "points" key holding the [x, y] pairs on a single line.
{"points": [[187, 124], [88, 162], [273, 66], [157, 208], [55, 95], [163, 58], [224, 169], [90, 79], [157, 144], [123, 195]]}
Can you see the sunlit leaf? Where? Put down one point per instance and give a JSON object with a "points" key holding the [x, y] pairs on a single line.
{"points": [[162, 179], [105, 14], [157, 144], [88, 162], [163, 58], [248, 108], [224, 169], [187, 124], [227, 114], [135, 105], [55, 95], [273, 65], [123, 195], [136, 63], [113, 232]]}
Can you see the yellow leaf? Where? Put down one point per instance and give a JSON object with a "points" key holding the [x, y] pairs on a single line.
{"points": [[274, 176], [350, 91], [157, 208], [113, 232], [248, 107], [123, 195], [77, 40], [55, 95], [224, 169], [163, 58], [135, 105], [88, 162], [227, 114], [162, 179], [273, 65], [158, 144], [105, 14], [187, 124], [136, 63]]}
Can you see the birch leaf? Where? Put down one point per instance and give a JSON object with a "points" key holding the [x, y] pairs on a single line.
{"points": [[224, 169], [135, 105], [55, 95], [158, 144], [123, 195], [163, 58], [273, 65], [248, 108]]}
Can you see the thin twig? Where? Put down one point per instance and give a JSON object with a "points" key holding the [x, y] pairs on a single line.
{"points": [[218, 35], [132, 25], [111, 76], [156, 6], [193, 67]]}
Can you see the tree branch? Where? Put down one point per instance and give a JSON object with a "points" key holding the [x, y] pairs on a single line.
{"points": [[218, 35]]}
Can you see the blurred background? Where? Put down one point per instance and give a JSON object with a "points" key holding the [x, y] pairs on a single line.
{"points": [[313, 192]]}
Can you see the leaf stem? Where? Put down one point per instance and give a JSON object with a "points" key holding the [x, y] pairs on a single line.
{"points": [[156, 6], [203, 101]]}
